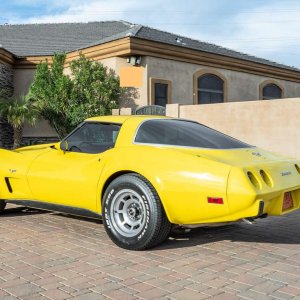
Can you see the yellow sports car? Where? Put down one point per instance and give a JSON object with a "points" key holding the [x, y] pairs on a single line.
{"points": [[143, 175]]}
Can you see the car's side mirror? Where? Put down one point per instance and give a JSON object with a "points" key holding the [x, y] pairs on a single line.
{"points": [[64, 146]]}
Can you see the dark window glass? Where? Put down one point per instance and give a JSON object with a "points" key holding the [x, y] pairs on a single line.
{"points": [[272, 91], [210, 89], [185, 133], [160, 94], [93, 137]]}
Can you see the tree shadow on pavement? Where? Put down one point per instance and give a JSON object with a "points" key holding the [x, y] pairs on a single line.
{"points": [[20, 211], [27, 211], [81, 218]]}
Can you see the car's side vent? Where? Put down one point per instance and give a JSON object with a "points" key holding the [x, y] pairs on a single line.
{"points": [[8, 185], [266, 178], [297, 168], [253, 179]]}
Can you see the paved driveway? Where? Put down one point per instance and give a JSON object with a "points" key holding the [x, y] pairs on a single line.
{"points": [[52, 256]]}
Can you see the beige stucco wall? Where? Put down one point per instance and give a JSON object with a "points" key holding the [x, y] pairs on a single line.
{"points": [[273, 124], [180, 73], [240, 86], [134, 97]]}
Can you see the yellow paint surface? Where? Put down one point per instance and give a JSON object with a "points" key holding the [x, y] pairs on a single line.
{"points": [[183, 177]]}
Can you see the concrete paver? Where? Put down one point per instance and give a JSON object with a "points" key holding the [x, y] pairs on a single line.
{"points": [[47, 255]]}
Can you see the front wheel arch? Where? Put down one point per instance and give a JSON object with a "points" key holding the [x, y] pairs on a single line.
{"points": [[111, 178]]}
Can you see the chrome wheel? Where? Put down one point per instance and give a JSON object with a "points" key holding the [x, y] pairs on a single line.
{"points": [[133, 215], [127, 213]]}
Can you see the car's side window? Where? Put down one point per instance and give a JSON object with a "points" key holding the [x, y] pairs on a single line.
{"points": [[93, 137]]}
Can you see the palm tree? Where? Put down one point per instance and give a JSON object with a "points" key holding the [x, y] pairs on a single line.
{"points": [[16, 111]]}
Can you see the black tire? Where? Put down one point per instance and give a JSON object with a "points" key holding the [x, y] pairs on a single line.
{"points": [[133, 215], [2, 205]]}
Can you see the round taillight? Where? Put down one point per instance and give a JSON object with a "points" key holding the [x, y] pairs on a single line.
{"points": [[297, 168], [266, 178], [253, 179]]}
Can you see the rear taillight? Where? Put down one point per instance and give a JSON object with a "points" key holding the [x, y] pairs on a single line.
{"points": [[215, 200], [266, 178]]}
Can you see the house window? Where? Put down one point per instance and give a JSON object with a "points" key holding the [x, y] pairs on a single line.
{"points": [[210, 89], [271, 91], [160, 92]]}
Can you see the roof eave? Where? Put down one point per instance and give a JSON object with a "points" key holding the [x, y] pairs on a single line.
{"points": [[130, 45], [140, 46], [6, 57], [118, 47]]}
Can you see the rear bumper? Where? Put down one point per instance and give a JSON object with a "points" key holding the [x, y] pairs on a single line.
{"points": [[260, 206], [274, 206], [270, 206]]}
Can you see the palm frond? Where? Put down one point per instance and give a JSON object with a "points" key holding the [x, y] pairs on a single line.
{"points": [[18, 110]]}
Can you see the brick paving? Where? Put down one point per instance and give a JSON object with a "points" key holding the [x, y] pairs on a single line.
{"points": [[53, 256]]}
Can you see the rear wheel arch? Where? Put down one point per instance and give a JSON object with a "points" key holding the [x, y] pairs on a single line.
{"points": [[148, 226], [113, 176]]}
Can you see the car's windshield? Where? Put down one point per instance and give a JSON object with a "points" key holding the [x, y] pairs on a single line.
{"points": [[184, 133]]}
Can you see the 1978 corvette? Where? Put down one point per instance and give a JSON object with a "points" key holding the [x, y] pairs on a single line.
{"points": [[144, 174]]}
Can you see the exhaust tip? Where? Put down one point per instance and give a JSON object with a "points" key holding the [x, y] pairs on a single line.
{"points": [[250, 221]]}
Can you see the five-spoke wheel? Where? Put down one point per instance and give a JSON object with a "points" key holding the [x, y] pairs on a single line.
{"points": [[127, 212], [133, 215]]}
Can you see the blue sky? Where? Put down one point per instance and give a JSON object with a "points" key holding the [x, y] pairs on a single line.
{"points": [[268, 29]]}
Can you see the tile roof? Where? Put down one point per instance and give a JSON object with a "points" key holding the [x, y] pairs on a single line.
{"points": [[46, 39]]}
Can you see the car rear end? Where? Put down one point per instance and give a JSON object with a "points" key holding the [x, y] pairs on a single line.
{"points": [[264, 188]]}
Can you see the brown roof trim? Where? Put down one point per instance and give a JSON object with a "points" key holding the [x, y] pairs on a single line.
{"points": [[6, 57], [115, 48], [31, 62], [145, 47], [136, 46]]}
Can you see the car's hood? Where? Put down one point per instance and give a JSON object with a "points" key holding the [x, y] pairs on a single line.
{"points": [[34, 150], [236, 157]]}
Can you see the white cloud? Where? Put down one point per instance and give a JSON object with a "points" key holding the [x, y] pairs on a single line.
{"points": [[136, 11], [84, 11], [269, 31]]}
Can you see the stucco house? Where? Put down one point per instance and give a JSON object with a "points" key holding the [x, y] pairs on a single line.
{"points": [[173, 68]]}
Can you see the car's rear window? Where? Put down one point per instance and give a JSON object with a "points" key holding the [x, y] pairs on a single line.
{"points": [[184, 133]]}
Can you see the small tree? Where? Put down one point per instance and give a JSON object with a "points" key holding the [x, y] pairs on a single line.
{"points": [[95, 91], [50, 91], [65, 101], [17, 111]]}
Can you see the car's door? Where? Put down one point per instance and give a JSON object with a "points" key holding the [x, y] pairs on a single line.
{"points": [[69, 176]]}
